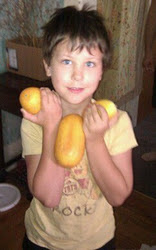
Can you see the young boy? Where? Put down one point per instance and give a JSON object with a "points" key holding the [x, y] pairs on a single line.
{"points": [[72, 208]]}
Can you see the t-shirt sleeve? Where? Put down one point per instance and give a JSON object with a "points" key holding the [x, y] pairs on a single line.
{"points": [[31, 135], [121, 137]]}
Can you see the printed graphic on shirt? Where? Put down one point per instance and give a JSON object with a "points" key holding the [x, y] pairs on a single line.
{"points": [[80, 180], [80, 191]]}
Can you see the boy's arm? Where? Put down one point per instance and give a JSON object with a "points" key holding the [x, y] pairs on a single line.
{"points": [[113, 174], [45, 176]]}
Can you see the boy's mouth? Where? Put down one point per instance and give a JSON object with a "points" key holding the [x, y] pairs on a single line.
{"points": [[75, 90]]}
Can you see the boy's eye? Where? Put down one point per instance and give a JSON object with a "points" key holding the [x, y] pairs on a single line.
{"points": [[90, 64], [66, 61]]}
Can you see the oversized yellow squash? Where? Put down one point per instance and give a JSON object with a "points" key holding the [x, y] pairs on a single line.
{"points": [[70, 141]]}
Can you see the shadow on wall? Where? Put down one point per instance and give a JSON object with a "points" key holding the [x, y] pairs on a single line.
{"points": [[12, 140]]}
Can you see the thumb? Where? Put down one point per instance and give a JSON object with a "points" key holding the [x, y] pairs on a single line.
{"points": [[28, 116]]}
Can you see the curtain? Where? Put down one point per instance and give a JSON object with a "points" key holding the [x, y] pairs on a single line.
{"points": [[125, 21]]}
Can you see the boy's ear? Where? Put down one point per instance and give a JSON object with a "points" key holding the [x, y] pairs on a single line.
{"points": [[47, 68]]}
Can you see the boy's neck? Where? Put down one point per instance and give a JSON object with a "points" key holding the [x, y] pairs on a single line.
{"points": [[75, 108]]}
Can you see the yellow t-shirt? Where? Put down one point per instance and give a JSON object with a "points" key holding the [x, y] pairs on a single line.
{"points": [[84, 219]]}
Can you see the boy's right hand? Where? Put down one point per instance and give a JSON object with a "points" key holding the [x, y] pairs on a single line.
{"points": [[51, 109]]}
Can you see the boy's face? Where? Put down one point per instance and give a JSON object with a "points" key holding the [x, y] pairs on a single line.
{"points": [[75, 74]]}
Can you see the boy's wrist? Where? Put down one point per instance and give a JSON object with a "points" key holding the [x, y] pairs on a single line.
{"points": [[50, 126], [94, 143]]}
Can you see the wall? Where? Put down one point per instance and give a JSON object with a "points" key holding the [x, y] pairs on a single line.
{"points": [[11, 123], [11, 134], [80, 3]]}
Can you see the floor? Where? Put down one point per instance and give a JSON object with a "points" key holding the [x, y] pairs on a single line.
{"points": [[145, 172]]}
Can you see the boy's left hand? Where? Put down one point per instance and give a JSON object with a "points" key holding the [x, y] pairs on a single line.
{"points": [[96, 122]]}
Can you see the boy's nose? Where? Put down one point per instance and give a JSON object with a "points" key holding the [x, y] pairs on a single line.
{"points": [[77, 74]]}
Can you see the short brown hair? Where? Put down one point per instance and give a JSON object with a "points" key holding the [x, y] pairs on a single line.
{"points": [[84, 28]]}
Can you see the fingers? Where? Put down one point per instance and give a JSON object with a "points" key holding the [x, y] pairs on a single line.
{"points": [[88, 113], [48, 96], [28, 116], [95, 113], [45, 92], [44, 96], [88, 118], [56, 97], [102, 112]]}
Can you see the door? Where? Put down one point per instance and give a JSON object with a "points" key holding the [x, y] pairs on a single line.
{"points": [[145, 99]]}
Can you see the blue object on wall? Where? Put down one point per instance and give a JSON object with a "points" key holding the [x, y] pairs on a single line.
{"points": [[2, 56]]}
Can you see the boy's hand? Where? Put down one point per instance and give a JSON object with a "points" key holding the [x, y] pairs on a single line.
{"points": [[96, 122], [51, 109]]}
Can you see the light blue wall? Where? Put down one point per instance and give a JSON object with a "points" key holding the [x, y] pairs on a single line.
{"points": [[11, 123], [4, 34]]}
